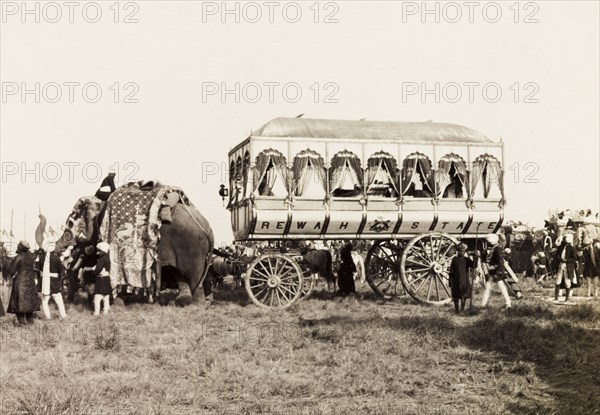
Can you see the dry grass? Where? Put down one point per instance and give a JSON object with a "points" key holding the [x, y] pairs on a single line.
{"points": [[324, 356]]}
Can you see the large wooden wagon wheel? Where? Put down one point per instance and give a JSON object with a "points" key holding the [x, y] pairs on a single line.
{"points": [[383, 268], [424, 267], [274, 280]]}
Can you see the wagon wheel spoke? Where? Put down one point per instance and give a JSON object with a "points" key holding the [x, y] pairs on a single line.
{"points": [[382, 281], [424, 278], [257, 275], [433, 257], [262, 291], [288, 275], [439, 250], [283, 293], [283, 287], [437, 288], [264, 297], [418, 263], [416, 270], [419, 254], [447, 249], [443, 244], [270, 264], [265, 269], [423, 251], [445, 286], [429, 290], [420, 276], [277, 293], [384, 271]]}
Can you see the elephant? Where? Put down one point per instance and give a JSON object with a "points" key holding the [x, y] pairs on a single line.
{"points": [[183, 252]]}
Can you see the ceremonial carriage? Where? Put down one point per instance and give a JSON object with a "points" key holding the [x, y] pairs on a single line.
{"points": [[413, 189]]}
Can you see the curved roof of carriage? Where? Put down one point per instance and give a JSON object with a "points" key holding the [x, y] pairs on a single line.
{"points": [[370, 130]]}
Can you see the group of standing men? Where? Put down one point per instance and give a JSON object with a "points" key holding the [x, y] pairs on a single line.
{"points": [[43, 272]]}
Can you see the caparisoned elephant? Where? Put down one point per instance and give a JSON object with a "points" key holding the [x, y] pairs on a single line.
{"points": [[184, 252], [184, 247]]}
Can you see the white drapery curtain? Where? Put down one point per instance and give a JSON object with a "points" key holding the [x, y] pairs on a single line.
{"points": [[271, 174], [345, 175], [487, 169], [417, 176], [382, 171], [451, 177], [309, 175]]}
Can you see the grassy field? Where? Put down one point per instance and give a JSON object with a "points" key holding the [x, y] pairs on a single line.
{"points": [[324, 356]]}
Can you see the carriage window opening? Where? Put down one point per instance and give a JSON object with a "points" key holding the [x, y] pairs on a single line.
{"points": [[417, 176], [451, 177], [271, 174], [345, 175], [271, 184], [487, 170], [309, 175], [454, 190], [382, 173]]}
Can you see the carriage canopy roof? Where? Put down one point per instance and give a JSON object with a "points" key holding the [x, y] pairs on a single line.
{"points": [[369, 130]]}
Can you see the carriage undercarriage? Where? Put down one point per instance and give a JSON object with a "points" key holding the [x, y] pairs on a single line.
{"points": [[417, 267]]}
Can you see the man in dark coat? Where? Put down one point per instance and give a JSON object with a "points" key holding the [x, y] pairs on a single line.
{"points": [[591, 265], [460, 282], [346, 271], [24, 300], [566, 256]]}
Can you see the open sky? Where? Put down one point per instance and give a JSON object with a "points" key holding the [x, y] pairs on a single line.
{"points": [[349, 60]]}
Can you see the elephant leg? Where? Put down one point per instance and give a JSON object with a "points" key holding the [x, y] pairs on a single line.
{"points": [[185, 293]]}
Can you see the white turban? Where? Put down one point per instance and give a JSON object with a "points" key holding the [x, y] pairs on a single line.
{"points": [[492, 238], [103, 246]]}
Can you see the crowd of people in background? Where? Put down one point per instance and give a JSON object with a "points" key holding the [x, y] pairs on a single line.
{"points": [[568, 251]]}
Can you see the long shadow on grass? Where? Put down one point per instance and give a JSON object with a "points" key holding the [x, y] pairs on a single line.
{"points": [[564, 354]]}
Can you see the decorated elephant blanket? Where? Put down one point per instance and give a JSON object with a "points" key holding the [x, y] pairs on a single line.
{"points": [[131, 224]]}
